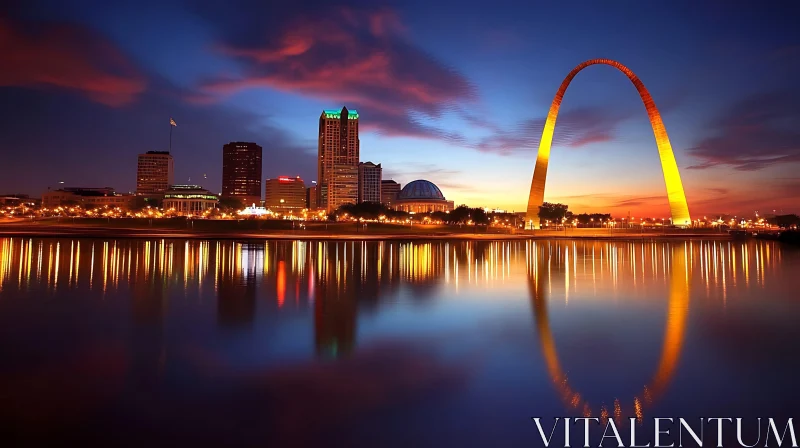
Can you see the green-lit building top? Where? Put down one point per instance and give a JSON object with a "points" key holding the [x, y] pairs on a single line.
{"points": [[333, 113]]}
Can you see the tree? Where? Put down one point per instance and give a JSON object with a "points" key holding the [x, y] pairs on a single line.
{"points": [[459, 215], [367, 210], [785, 221], [462, 214], [440, 216], [479, 216], [140, 203], [230, 204], [554, 212]]}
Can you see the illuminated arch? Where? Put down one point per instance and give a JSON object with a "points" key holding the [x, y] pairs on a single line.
{"points": [[675, 328], [677, 199]]}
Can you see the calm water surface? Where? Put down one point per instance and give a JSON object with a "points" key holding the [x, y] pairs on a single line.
{"points": [[173, 342]]}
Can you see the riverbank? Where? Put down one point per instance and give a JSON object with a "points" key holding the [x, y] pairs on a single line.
{"points": [[286, 230]]}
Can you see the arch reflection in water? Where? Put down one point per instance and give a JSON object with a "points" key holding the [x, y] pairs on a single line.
{"points": [[139, 331], [677, 309]]}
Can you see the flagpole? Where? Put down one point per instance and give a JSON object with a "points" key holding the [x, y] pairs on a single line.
{"points": [[170, 137]]}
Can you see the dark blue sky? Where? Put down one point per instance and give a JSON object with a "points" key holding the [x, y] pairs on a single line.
{"points": [[454, 92]]}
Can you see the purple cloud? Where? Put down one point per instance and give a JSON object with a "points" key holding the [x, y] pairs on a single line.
{"points": [[758, 132]]}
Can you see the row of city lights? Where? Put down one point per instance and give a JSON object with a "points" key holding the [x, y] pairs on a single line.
{"points": [[306, 215]]}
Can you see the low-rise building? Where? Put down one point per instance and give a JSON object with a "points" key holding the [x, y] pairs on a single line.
{"points": [[87, 198], [285, 193], [14, 200], [189, 200], [389, 191]]}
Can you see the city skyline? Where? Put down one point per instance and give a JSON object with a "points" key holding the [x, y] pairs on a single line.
{"points": [[460, 104]]}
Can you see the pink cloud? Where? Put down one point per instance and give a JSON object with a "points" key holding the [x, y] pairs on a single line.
{"points": [[358, 57], [67, 57]]}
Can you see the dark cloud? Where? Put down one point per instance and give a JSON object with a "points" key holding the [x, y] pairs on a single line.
{"points": [[647, 200], [719, 191], [70, 57], [402, 124], [760, 131], [575, 128], [359, 56]]}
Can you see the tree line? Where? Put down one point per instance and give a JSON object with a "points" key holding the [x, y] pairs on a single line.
{"points": [[374, 210], [557, 213]]}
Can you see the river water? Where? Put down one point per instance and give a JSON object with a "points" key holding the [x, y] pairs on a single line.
{"points": [[290, 343]]}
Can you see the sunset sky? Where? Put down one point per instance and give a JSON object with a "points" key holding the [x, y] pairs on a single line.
{"points": [[452, 92]]}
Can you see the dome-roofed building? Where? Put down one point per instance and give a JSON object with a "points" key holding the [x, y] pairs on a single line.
{"points": [[422, 196]]}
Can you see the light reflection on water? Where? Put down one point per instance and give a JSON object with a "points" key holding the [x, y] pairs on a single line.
{"points": [[357, 328], [55, 264]]}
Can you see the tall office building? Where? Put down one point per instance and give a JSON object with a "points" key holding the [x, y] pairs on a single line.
{"points": [[154, 174], [241, 172], [337, 158], [389, 192], [311, 197], [369, 182], [285, 193]]}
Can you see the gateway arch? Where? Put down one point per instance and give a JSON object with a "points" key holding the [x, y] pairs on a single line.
{"points": [[677, 199]]}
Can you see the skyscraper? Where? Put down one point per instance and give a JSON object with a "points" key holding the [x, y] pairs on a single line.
{"points": [[241, 172], [337, 158], [369, 182], [286, 193], [389, 191], [154, 174]]}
